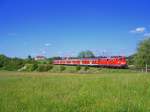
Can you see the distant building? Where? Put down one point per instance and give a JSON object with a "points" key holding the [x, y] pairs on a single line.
{"points": [[38, 58]]}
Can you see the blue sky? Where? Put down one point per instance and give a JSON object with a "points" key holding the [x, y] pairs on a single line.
{"points": [[66, 27]]}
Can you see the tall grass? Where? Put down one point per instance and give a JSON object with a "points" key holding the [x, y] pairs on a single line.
{"points": [[64, 92]]}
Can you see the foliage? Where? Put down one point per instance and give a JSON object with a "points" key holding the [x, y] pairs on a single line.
{"points": [[86, 68], [62, 68], [3, 60], [29, 57], [43, 62], [86, 54], [27, 61], [143, 53], [56, 58], [78, 68], [130, 59], [11, 64], [50, 60], [44, 67], [14, 64], [31, 67]]}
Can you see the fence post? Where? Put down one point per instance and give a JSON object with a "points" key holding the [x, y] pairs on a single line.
{"points": [[146, 68]]}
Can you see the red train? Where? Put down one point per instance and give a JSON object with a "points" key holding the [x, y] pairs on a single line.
{"points": [[111, 62]]}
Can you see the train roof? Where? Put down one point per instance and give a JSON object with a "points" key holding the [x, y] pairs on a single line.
{"points": [[99, 57]]}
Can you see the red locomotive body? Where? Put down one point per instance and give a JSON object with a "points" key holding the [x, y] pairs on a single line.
{"points": [[114, 62]]}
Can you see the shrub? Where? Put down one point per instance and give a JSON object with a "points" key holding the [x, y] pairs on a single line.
{"points": [[62, 68], [86, 68], [44, 67], [13, 64], [34, 66], [78, 68], [29, 67], [50, 67], [3, 60]]}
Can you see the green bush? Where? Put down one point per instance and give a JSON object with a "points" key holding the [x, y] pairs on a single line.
{"points": [[30, 67], [44, 67], [86, 68], [62, 68], [13, 64], [78, 68], [3, 60], [34, 66]]}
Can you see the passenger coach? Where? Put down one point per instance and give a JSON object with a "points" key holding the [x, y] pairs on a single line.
{"points": [[113, 62]]}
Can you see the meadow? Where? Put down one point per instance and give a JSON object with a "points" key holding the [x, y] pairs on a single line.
{"points": [[74, 92]]}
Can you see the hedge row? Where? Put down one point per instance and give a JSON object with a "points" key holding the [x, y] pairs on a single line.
{"points": [[53, 68]]}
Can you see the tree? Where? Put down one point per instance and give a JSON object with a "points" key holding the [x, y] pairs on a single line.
{"points": [[56, 58], [29, 57], [130, 59], [50, 60], [143, 53], [86, 54], [14, 64], [30, 60], [3, 60]]}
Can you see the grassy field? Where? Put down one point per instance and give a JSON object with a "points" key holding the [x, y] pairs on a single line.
{"points": [[66, 92]]}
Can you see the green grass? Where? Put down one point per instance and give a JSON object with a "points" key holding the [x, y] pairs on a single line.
{"points": [[66, 92], [73, 69]]}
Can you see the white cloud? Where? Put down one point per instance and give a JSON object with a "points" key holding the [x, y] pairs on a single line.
{"points": [[138, 30], [47, 44]]}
